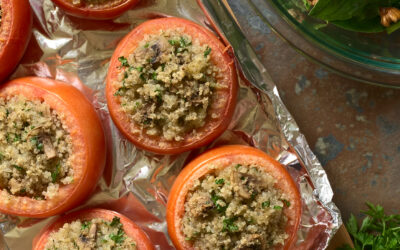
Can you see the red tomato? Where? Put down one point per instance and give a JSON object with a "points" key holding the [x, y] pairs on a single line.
{"points": [[130, 228], [88, 146], [226, 156], [219, 57], [107, 9], [15, 31]]}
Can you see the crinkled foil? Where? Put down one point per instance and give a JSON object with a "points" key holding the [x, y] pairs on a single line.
{"points": [[136, 182]]}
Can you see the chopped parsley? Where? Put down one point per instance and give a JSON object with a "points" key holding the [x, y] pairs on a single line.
{"points": [[56, 173], [207, 51], [159, 95], [120, 91], [119, 237], [147, 45], [184, 43], [8, 137], [140, 69], [85, 225], [277, 207], [253, 195], [180, 46], [229, 225], [17, 137], [21, 169], [287, 203], [124, 61], [219, 181], [265, 204], [173, 42], [37, 143], [147, 121], [154, 76], [215, 198], [238, 166], [115, 222]]}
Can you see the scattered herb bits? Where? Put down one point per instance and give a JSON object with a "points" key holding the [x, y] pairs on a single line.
{"points": [[222, 203], [38, 139], [93, 234]]}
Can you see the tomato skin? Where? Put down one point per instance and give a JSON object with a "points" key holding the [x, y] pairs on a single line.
{"points": [[130, 228], [219, 57], [227, 155], [88, 143], [16, 26], [96, 14]]}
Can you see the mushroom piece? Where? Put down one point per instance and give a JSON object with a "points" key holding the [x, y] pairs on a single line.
{"points": [[199, 204], [48, 148], [246, 184], [157, 52], [92, 231], [86, 243]]}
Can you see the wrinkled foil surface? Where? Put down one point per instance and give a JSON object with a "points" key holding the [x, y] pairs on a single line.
{"points": [[135, 182]]}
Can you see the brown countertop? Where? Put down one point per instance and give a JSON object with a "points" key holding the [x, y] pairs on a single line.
{"points": [[353, 128]]}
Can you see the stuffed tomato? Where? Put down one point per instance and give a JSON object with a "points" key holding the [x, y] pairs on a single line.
{"points": [[233, 197], [96, 9], [15, 31], [171, 86], [52, 147], [93, 228]]}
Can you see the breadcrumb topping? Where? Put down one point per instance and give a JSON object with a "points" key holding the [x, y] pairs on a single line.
{"points": [[96, 3], [91, 234], [35, 148], [237, 207], [167, 85]]}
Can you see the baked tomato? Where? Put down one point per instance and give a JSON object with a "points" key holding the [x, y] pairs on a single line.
{"points": [[45, 170], [15, 31], [171, 86], [130, 229], [240, 198], [96, 9]]}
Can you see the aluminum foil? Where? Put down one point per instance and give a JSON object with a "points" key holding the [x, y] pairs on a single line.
{"points": [[136, 183]]}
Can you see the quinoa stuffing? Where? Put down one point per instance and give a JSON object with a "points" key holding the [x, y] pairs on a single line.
{"points": [[95, 3], [35, 148], [91, 234], [167, 85], [237, 207]]}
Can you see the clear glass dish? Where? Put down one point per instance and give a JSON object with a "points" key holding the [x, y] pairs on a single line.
{"points": [[370, 58]]}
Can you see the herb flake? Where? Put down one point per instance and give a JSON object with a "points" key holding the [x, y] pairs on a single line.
{"points": [[229, 225], [265, 204], [115, 222], [219, 181], [124, 61], [56, 173], [207, 51]]}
